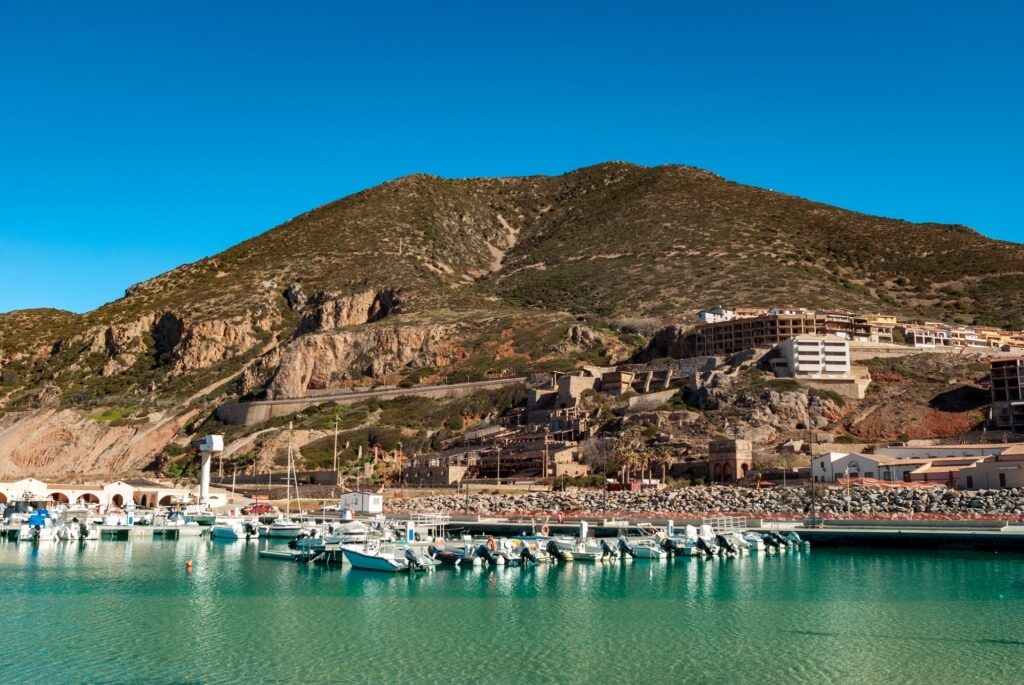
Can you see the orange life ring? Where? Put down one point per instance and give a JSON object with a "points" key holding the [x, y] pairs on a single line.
{"points": [[544, 530], [491, 544]]}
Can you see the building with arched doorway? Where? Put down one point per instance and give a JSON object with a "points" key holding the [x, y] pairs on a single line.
{"points": [[729, 460], [118, 494], [25, 489]]}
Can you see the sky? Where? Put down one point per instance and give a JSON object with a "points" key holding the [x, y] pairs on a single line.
{"points": [[135, 137]]}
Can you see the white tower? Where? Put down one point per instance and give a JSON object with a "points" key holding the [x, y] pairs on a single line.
{"points": [[207, 446]]}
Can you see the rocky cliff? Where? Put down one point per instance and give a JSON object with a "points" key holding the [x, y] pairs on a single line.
{"points": [[426, 278]]}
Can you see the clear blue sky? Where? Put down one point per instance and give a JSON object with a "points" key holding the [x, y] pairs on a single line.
{"points": [[135, 136]]}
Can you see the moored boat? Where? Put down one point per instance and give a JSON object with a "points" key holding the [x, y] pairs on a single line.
{"points": [[388, 559], [281, 528], [235, 530]]}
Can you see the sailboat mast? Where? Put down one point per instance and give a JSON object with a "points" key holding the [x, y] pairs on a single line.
{"points": [[288, 474]]}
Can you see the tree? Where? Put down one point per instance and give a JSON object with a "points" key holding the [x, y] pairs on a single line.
{"points": [[598, 453]]}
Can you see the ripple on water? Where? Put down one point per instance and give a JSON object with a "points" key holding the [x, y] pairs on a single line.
{"points": [[127, 612]]}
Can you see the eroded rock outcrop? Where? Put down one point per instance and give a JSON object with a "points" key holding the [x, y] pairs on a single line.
{"points": [[581, 337], [173, 341], [330, 311], [323, 360]]}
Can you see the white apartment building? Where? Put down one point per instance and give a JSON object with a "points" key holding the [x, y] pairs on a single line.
{"points": [[716, 315], [814, 356]]}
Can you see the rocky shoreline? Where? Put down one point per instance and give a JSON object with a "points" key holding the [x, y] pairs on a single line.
{"points": [[768, 503]]}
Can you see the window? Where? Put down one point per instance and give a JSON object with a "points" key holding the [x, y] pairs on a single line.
{"points": [[869, 474]]}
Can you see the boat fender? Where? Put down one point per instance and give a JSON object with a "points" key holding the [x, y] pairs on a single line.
{"points": [[544, 530]]}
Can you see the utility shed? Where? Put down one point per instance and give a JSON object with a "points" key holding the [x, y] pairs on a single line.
{"points": [[362, 503]]}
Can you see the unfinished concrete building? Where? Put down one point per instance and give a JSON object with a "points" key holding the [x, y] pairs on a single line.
{"points": [[1007, 388], [768, 330]]}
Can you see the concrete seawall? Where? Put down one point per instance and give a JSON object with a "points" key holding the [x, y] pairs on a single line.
{"points": [[253, 413]]}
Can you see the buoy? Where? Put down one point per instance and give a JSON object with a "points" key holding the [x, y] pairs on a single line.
{"points": [[188, 566]]}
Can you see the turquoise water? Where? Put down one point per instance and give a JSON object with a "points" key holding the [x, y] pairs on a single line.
{"points": [[127, 612]]}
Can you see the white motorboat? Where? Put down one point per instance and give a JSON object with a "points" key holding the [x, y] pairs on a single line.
{"points": [[39, 527], [75, 528], [235, 530], [582, 549], [185, 526], [281, 528], [351, 533], [648, 549], [388, 559], [755, 543]]}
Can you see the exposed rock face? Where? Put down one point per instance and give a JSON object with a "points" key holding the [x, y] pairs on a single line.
{"points": [[795, 410], [174, 341], [206, 343], [710, 390], [122, 343], [295, 296], [43, 443], [670, 341], [321, 360], [330, 311], [586, 338]]}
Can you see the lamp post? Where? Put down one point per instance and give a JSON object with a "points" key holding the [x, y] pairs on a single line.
{"points": [[847, 473]]}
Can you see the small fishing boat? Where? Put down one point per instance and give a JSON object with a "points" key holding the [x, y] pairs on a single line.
{"points": [[76, 526], [452, 554], [235, 530], [648, 549], [388, 559], [755, 543], [185, 526], [38, 528]]}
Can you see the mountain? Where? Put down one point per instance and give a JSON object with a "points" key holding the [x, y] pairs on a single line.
{"points": [[424, 279]]}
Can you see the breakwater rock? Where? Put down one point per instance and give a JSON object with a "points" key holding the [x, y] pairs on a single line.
{"points": [[765, 503]]}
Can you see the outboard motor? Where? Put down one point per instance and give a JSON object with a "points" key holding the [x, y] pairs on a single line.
{"points": [[672, 547], [487, 555], [724, 543], [83, 531], [769, 541], [526, 555], [607, 551], [779, 540], [794, 538], [410, 556], [553, 550], [625, 549], [294, 542], [704, 547]]}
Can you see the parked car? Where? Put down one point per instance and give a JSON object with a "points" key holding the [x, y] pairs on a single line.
{"points": [[258, 509]]}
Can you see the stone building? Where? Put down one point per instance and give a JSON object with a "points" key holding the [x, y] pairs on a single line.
{"points": [[730, 460]]}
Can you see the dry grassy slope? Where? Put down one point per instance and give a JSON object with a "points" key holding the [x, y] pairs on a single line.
{"points": [[613, 240], [669, 240]]}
